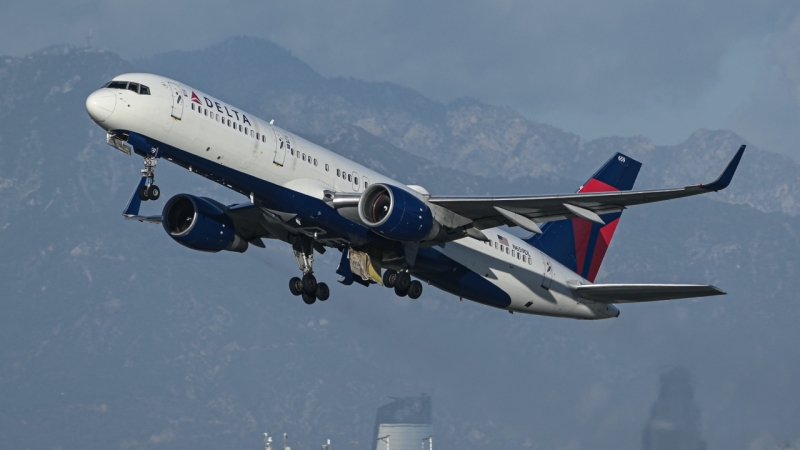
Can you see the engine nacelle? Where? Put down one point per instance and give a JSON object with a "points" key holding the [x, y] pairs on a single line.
{"points": [[396, 214], [199, 224]]}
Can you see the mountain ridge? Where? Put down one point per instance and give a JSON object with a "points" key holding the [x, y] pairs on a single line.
{"points": [[470, 136], [117, 337]]}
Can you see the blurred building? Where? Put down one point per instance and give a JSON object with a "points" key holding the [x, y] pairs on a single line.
{"points": [[674, 418], [407, 421]]}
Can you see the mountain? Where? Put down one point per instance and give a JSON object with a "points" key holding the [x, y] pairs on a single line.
{"points": [[466, 135], [114, 336]]}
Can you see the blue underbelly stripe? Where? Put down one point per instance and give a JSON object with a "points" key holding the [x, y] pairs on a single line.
{"points": [[457, 279]]}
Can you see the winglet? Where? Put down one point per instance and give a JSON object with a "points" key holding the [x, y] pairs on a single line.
{"points": [[727, 175]]}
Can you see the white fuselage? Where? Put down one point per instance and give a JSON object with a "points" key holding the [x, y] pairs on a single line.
{"points": [[535, 283]]}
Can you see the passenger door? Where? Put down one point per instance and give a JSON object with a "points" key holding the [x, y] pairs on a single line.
{"points": [[177, 101], [281, 146], [548, 272]]}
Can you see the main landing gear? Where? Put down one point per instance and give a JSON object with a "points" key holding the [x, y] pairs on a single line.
{"points": [[402, 283], [149, 191], [307, 287]]}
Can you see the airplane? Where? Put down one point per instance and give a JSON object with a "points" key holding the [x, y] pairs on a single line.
{"points": [[387, 232]]}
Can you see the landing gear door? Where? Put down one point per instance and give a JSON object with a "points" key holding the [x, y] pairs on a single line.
{"points": [[547, 275], [177, 101], [281, 145]]}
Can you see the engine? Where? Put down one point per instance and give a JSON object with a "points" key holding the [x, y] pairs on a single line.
{"points": [[396, 214], [200, 224]]}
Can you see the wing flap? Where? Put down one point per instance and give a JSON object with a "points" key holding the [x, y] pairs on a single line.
{"points": [[635, 293]]}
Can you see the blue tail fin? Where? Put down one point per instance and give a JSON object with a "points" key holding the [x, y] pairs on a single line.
{"points": [[580, 244]]}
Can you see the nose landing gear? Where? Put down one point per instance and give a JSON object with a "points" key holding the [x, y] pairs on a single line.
{"points": [[149, 191]]}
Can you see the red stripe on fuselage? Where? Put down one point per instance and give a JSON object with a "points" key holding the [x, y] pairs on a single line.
{"points": [[600, 248]]}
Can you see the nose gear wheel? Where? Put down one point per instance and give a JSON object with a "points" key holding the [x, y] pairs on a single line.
{"points": [[149, 191]]}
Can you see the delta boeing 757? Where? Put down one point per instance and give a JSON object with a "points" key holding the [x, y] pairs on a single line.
{"points": [[387, 232]]}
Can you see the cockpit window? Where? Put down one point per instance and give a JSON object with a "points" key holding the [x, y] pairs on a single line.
{"points": [[135, 87]]}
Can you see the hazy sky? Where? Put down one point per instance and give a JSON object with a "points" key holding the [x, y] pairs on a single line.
{"points": [[659, 68]]}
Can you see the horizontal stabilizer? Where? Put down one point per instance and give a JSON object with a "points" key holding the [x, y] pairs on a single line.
{"points": [[634, 293]]}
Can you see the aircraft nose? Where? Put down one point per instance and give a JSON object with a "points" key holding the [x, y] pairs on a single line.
{"points": [[100, 104]]}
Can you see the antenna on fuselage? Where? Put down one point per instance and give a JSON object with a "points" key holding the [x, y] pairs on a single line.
{"points": [[272, 121]]}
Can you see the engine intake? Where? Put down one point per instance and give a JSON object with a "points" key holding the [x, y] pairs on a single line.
{"points": [[200, 224], [396, 213]]}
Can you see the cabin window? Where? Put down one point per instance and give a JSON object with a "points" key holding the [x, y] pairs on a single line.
{"points": [[524, 258], [502, 248], [518, 255], [245, 130], [192, 106], [344, 176], [240, 128], [292, 152], [315, 161], [349, 177], [229, 122], [252, 134], [205, 112], [144, 90], [309, 159], [513, 254], [117, 85], [263, 138], [217, 118], [530, 261], [338, 173], [133, 87], [258, 136], [508, 250], [495, 244], [327, 168], [366, 184], [304, 156]]}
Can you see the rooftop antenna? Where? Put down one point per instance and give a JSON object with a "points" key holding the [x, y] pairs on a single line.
{"points": [[430, 442], [327, 446], [267, 441]]}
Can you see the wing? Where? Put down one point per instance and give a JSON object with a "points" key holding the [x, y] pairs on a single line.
{"points": [[634, 293], [522, 211]]}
